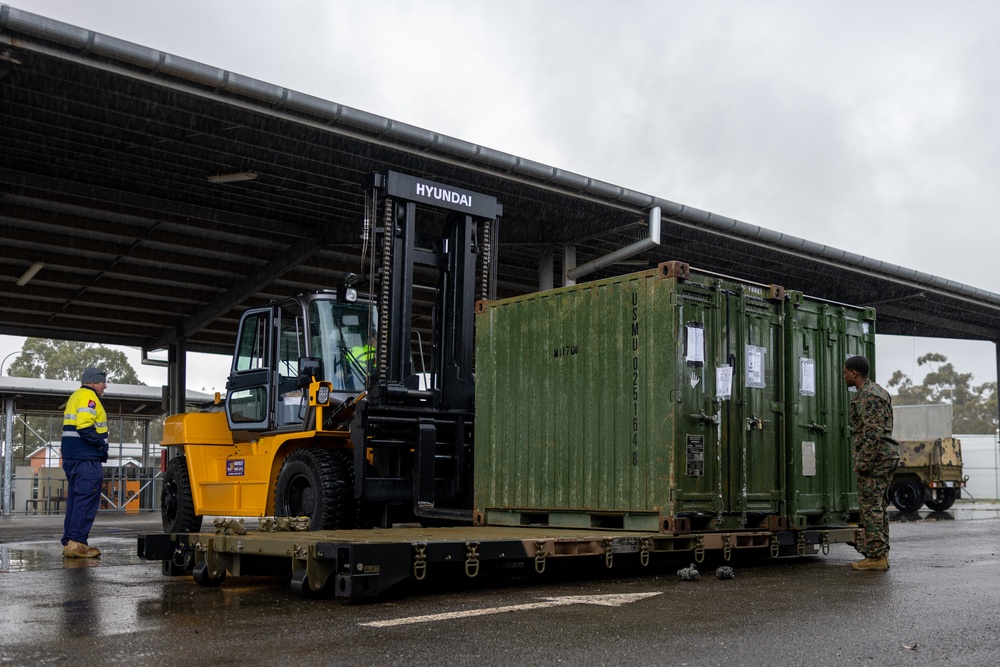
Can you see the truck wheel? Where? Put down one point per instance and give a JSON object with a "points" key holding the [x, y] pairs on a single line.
{"points": [[316, 484], [907, 495], [941, 499], [176, 502]]}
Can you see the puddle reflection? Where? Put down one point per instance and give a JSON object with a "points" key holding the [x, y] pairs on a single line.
{"points": [[47, 555], [957, 513]]}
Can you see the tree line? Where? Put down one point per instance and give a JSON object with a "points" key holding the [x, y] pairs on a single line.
{"points": [[974, 407], [66, 360]]}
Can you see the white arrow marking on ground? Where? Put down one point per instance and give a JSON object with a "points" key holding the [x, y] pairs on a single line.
{"points": [[613, 600]]}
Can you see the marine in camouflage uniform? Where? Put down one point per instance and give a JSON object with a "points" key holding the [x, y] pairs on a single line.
{"points": [[876, 456]]}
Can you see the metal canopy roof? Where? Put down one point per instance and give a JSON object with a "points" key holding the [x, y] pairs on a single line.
{"points": [[106, 151], [129, 401]]}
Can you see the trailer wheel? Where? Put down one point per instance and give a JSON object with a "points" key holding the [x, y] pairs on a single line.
{"points": [[315, 483], [907, 495], [301, 587], [203, 577], [941, 499], [176, 502]]}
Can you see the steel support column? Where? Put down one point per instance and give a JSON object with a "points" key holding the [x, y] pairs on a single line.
{"points": [[546, 268], [8, 454], [177, 376], [569, 263]]}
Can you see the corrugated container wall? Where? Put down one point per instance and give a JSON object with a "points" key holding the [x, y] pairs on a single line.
{"points": [[658, 401]]}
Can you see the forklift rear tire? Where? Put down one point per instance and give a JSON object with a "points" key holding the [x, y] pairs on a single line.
{"points": [[176, 502]]}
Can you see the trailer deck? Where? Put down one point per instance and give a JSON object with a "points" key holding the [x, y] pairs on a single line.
{"points": [[356, 564]]}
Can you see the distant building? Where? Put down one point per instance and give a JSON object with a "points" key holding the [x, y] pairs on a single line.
{"points": [[128, 455]]}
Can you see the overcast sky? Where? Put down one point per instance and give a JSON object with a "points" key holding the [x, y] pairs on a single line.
{"points": [[868, 126]]}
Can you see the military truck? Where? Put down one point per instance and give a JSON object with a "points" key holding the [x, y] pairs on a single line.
{"points": [[929, 473], [930, 459]]}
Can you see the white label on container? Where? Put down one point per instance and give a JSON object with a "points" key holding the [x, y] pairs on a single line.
{"points": [[724, 381], [695, 344], [755, 366], [808, 459], [807, 376]]}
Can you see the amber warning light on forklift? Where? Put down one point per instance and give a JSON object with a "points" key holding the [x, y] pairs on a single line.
{"points": [[321, 393]]}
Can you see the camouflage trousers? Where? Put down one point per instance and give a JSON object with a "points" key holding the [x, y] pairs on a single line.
{"points": [[873, 498]]}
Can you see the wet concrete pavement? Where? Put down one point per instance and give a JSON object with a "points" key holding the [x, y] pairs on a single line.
{"points": [[938, 605]]}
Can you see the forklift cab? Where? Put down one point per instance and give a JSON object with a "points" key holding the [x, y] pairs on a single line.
{"points": [[334, 329]]}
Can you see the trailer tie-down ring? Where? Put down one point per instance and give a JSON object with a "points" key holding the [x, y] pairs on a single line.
{"points": [[699, 549], [645, 547], [420, 562], [609, 554], [825, 541], [727, 548], [540, 556], [472, 559], [775, 546]]}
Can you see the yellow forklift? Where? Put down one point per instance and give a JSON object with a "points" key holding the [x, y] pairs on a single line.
{"points": [[336, 408]]}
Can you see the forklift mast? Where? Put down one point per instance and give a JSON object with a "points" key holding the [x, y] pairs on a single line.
{"points": [[412, 433]]}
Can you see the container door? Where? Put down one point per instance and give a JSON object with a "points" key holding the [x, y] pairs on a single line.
{"points": [[852, 332], [700, 351], [755, 481], [814, 383]]}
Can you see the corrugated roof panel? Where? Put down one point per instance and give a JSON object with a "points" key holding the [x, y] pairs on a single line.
{"points": [[116, 141]]}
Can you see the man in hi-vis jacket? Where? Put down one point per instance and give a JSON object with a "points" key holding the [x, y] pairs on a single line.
{"points": [[84, 448]]}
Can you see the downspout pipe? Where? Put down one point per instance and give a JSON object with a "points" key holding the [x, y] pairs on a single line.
{"points": [[623, 253]]}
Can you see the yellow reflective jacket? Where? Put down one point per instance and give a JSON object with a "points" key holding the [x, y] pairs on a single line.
{"points": [[85, 427], [363, 354]]}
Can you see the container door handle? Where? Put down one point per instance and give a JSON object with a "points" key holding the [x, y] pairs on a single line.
{"points": [[706, 419], [813, 426]]}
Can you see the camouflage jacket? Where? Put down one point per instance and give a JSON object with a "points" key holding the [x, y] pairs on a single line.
{"points": [[871, 425]]}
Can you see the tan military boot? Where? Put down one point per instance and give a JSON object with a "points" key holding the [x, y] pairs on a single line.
{"points": [[880, 564], [80, 550]]}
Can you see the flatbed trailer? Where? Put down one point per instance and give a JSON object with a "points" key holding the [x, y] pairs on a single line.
{"points": [[359, 564]]}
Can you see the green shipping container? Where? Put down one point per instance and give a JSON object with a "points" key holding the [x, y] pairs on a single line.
{"points": [[820, 336], [667, 400], [651, 401]]}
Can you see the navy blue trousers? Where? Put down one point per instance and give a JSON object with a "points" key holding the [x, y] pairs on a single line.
{"points": [[83, 497]]}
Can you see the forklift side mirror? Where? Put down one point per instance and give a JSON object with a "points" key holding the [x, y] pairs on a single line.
{"points": [[309, 368]]}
